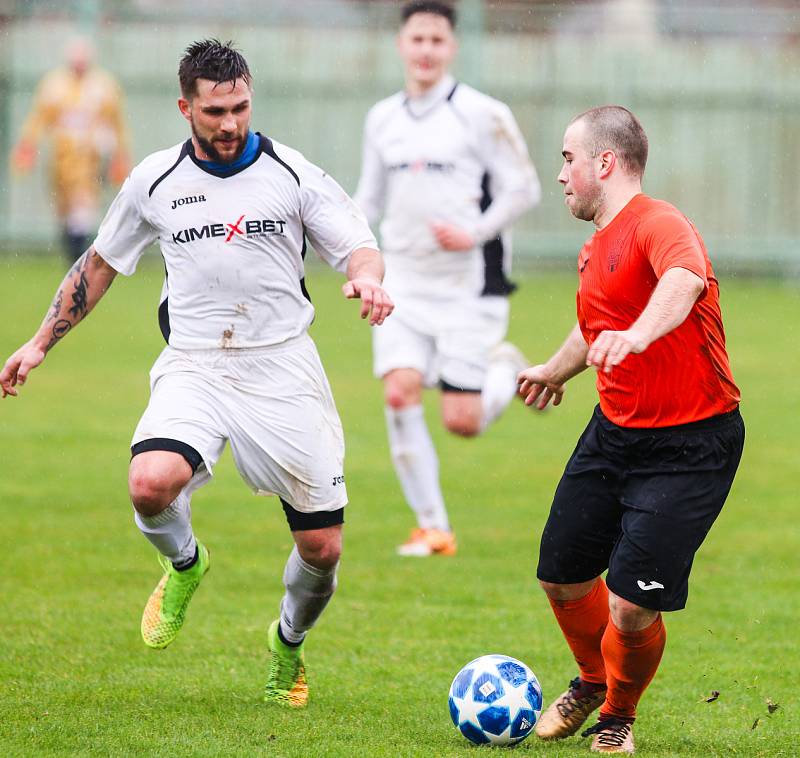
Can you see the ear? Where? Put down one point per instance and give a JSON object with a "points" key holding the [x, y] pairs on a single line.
{"points": [[185, 107], [608, 162]]}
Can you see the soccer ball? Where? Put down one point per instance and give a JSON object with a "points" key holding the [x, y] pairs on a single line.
{"points": [[495, 700]]}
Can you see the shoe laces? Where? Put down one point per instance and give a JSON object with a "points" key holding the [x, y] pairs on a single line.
{"points": [[283, 670], [569, 703], [612, 732]]}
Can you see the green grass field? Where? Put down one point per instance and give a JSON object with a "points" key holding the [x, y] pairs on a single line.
{"points": [[75, 678]]}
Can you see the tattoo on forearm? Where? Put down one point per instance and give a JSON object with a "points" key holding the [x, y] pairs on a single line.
{"points": [[80, 305], [60, 328], [55, 307], [77, 287]]}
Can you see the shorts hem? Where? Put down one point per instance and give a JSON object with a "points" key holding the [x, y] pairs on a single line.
{"points": [[302, 522], [168, 444], [332, 505], [446, 386], [543, 578], [631, 598]]}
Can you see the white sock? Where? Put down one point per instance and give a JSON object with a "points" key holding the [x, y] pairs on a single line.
{"points": [[417, 465], [170, 531], [308, 590], [499, 389]]}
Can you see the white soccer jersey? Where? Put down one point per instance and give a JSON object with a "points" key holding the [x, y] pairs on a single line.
{"points": [[233, 245], [453, 155]]}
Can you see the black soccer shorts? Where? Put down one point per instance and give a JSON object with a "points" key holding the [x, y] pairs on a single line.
{"points": [[639, 502]]}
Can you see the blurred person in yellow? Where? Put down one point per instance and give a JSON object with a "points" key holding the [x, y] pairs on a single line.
{"points": [[78, 109]]}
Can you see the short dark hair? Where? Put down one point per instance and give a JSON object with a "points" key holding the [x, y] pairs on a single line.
{"points": [[429, 6], [612, 127], [211, 59]]}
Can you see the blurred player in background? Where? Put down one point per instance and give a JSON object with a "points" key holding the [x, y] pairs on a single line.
{"points": [[230, 209], [78, 109], [446, 169], [654, 466]]}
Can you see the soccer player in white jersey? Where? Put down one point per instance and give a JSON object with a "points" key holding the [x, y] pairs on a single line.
{"points": [[446, 169], [231, 210]]}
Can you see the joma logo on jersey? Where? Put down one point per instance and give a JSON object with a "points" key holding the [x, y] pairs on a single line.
{"points": [[417, 166], [259, 227], [187, 201]]}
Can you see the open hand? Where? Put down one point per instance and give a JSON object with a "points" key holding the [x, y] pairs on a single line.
{"points": [[17, 368], [375, 301], [537, 387]]}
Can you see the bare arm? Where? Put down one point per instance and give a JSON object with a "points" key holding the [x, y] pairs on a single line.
{"points": [[83, 286], [364, 278], [669, 305], [539, 384]]}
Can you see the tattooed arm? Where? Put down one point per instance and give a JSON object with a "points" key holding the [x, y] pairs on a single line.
{"points": [[85, 283]]}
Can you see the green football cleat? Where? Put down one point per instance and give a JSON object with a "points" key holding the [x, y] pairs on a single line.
{"points": [[286, 683], [165, 611]]}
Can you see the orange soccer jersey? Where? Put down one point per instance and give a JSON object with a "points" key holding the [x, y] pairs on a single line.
{"points": [[682, 377]]}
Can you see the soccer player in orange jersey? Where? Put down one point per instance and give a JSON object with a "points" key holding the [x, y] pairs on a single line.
{"points": [[652, 470]]}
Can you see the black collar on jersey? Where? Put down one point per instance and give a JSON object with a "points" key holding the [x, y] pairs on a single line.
{"points": [[432, 108], [264, 146]]}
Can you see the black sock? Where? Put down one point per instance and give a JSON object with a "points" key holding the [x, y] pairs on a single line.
{"points": [[75, 245], [587, 689], [285, 641], [188, 564]]}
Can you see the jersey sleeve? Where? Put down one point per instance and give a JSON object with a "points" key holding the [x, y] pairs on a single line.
{"points": [[370, 195], [124, 232], [670, 241], [513, 181], [334, 224]]}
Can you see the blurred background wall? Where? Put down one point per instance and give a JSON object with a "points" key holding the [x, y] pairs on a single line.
{"points": [[716, 85]]}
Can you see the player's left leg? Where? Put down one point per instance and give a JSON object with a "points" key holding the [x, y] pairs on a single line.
{"points": [[286, 439], [632, 646], [310, 581], [478, 372]]}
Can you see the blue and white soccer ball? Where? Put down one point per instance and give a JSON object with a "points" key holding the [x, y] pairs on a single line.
{"points": [[495, 700]]}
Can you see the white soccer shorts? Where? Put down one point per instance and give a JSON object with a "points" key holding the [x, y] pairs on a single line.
{"points": [[273, 404], [445, 340]]}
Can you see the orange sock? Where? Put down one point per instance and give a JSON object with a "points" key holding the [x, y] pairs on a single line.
{"points": [[583, 622], [631, 662]]}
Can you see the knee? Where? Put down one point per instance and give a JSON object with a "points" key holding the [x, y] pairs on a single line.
{"points": [[629, 617], [464, 425], [402, 390], [321, 553], [153, 488], [395, 398], [565, 592]]}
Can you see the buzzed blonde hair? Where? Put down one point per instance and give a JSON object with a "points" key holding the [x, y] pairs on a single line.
{"points": [[612, 127]]}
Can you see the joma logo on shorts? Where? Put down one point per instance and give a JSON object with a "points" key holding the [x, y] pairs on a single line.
{"points": [[187, 201], [338, 480], [259, 227]]}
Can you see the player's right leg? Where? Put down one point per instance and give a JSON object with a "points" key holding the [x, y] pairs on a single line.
{"points": [[576, 544], [177, 441], [160, 490]]}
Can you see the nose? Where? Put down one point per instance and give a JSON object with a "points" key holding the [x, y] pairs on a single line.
{"points": [[562, 175], [228, 123]]}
